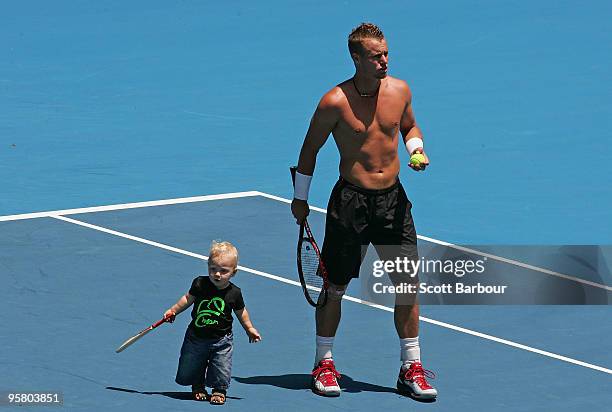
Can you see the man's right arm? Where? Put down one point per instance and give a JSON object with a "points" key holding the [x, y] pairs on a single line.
{"points": [[321, 125]]}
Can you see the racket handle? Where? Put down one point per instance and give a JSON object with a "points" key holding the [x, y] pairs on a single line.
{"points": [[293, 170]]}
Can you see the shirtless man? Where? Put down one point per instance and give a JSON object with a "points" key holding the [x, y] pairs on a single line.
{"points": [[368, 204]]}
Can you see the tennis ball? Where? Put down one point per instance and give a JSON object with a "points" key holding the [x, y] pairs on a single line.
{"points": [[416, 159]]}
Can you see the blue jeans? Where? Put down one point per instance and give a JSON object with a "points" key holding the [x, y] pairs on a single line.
{"points": [[205, 360]]}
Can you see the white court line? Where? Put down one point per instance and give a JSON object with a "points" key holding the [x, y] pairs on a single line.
{"points": [[281, 199], [349, 298], [517, 263], [477, 252], [288, 201], [129, 206]]}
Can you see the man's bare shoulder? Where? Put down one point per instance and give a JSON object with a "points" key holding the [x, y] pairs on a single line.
{"points": [[398, 85], [334, 98]]}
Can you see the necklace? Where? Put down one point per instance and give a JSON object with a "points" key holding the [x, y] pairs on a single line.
{"points": [[365, 94]]}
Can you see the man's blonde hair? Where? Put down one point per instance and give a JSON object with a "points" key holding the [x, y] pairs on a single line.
{"points": [[222, 248], [362, 32]]}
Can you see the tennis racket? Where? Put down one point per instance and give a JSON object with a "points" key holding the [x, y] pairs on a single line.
{"points": [[143, 332], [312, 272]]}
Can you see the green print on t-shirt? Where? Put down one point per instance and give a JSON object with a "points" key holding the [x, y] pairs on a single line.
{"points": [[205, 316]]}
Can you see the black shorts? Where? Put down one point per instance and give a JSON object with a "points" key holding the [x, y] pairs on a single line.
{"points": [[357, 217]]}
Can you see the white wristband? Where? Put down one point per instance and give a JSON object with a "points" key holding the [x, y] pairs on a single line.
{"points": [[414, 143], [302, 186]]}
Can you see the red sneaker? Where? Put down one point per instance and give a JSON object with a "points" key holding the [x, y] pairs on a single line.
{"points": [[412, 381], [325, 379]]}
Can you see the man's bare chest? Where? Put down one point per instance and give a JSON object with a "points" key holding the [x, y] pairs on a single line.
{"points": [[369, 119]]}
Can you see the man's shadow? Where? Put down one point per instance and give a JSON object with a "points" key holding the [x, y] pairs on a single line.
{"points": [[301, 381], [182, 396]]}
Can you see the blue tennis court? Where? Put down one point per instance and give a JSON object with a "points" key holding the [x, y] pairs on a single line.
{"points": [[80, 283], [134, 134]]}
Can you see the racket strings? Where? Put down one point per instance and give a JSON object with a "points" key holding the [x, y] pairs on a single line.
{"points": [[311, 266]]}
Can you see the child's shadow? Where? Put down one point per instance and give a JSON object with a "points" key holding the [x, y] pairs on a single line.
{"points": [[183, 396]]}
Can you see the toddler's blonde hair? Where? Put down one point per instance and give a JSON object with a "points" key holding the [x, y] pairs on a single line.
{"points": [[222, 248]]}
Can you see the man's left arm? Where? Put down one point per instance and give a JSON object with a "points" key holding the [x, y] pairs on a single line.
{"points": [[411, 134]]}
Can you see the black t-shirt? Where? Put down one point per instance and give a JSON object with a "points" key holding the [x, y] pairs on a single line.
{"points": [[211, 316]]}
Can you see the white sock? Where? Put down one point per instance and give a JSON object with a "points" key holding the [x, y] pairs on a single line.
{"points": [[324, 348], [410, 351]]}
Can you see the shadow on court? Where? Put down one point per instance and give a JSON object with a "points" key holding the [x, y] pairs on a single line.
{"points": [[182, 396], [301, 381]]}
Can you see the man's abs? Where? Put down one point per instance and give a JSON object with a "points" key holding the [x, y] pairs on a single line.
{"points": [[371, 169]]}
